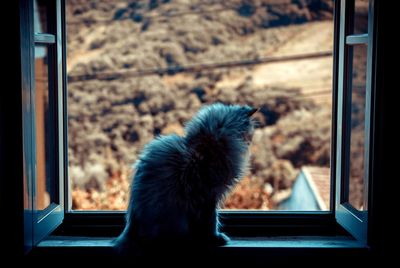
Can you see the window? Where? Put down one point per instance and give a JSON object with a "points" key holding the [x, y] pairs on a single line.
{"points": [[355, 98], [43, 124], [136, 71], [46, 138]]}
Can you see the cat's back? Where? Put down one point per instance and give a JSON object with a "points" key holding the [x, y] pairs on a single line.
{"points": [[152, 212], [160, 165], [163, 153]]}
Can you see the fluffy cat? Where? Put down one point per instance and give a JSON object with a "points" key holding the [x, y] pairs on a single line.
{"points": [[180, 181]]}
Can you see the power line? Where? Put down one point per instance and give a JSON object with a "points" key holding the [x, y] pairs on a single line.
{"points": [[193, 68], [323, 93]]}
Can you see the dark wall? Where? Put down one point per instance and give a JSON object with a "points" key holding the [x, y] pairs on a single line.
{"points": [[383, 228], [11, 136]]}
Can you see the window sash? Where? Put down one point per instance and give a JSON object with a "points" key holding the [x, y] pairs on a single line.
{"points": [[354, 221], [40, 223]]}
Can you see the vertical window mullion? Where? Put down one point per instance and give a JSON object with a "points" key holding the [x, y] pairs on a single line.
{"points": [[341, 130], [60, 88]]}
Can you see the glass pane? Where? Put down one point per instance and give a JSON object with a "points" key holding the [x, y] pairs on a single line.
{"points": [[40, 18], [357, 193], [121, 93], [360, 20], [45, 124]]}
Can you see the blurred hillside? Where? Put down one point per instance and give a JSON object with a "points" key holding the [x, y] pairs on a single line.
{"points": [[127, 83]]}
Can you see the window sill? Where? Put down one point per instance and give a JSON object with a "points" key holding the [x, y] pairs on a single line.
{"points": [[301, 242], [250, 250]]}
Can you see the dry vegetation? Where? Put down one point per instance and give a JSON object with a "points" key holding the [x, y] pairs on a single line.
{"points": [[112, 117]]}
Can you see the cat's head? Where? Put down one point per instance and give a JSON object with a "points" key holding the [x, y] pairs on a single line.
{"points": [[232, 122], [219, 136]]}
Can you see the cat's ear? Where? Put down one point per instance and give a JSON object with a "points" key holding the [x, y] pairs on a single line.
{"points": [[252, 111]]}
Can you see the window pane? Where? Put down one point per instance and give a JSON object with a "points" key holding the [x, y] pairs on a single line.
{"points": [[45, 124], [129, 80], [360, 19], [357, 193]]}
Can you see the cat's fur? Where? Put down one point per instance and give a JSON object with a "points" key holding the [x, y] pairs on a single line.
{"points": [[180, 181]]}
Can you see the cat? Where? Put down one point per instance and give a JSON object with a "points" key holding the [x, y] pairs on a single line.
{"points": [[179, 182]]}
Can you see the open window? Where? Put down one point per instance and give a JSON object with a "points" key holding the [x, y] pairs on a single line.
{"points": [[43, 123], [46, 141], [355, 114]]}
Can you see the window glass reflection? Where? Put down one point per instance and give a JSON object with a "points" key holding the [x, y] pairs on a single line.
{"points": [[357, 193], [44, 116]]}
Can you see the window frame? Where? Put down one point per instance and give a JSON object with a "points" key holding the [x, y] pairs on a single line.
{"points": [[40, 223], [245, 223], [239, 222], [354, 221]]}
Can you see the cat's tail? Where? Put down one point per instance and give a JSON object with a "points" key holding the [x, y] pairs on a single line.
{"points": [[125, 245]]}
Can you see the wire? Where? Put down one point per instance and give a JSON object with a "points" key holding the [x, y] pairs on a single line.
{"points": [[193, 68], [327, 93]]}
